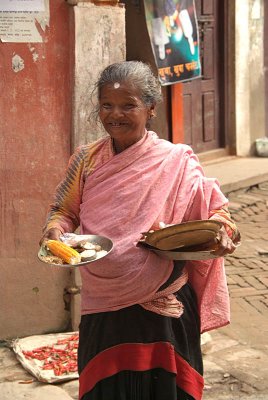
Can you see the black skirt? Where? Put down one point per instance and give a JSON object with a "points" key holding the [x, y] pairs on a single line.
{"points": [[135, 354]]}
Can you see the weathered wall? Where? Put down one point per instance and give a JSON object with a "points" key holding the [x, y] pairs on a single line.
{"points": [[257, 77], [250, 97], [35, 114], [44, 111], [99, 41]]}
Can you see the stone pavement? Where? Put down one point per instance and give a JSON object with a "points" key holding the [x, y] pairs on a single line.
{"points": [[235, 357]]}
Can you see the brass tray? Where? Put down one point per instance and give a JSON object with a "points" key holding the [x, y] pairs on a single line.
{"points": [[186, 255], [181, 235], [181, 253], [105, 243]]}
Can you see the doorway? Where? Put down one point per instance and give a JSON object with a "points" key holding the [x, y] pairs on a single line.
{"points": [[198, 119]]}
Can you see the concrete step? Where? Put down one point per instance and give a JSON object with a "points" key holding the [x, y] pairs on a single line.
{"points": [[235, 173]]}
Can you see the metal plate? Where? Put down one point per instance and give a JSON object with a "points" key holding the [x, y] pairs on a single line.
{"points": [[185, 255], [179, 254], [183, 235], [105, 243]]}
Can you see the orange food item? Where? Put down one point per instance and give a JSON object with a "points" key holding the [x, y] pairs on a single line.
{"points": [[63, 251]]}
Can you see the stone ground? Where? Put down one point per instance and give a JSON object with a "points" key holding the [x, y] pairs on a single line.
{"points": [[235, 357], [236, 362]]}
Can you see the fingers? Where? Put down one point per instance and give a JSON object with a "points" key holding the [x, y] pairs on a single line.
{"points": [[51, 234], [225, 244]]}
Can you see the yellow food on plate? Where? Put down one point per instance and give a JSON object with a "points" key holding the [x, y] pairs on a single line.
{"points": [[63, 251]]}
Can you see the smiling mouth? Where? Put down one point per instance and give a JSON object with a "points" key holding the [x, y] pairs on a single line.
{"points": [[117, 124]]}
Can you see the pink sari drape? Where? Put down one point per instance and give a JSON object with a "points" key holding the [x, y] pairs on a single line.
{"points": [[151, 181]]}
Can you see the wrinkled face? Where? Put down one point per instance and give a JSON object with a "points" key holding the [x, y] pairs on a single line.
{"points": [[122, 113]]}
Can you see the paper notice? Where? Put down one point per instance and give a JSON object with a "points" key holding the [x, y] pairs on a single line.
{"points": [[22, 5], [21, 26]]}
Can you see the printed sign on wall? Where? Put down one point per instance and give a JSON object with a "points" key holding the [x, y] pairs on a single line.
{"points": [[172, 27], [20, 20], [22, 5]]}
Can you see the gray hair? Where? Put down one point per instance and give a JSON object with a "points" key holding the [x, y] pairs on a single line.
{"points": [[137, 73]]}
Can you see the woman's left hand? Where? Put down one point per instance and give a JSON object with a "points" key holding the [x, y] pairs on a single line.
{"points": [[224, 244]]}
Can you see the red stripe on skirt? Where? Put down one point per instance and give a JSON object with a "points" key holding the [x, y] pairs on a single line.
{"points": [[141, 357]]}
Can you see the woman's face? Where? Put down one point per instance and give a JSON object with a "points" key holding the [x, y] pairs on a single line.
{"points": [[123, 114]]}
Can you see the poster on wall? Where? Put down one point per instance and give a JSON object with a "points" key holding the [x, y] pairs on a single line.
{"points": [[22, 5], [22, 21], [173, 32]]}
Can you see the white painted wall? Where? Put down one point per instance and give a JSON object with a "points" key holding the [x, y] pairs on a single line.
{"points": [[249, 71], [99, 41]]}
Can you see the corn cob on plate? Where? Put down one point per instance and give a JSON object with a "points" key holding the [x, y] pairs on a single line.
{"points": [[57, 253]]}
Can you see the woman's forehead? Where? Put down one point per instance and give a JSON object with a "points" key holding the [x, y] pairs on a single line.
{"points": [[123, 89]]}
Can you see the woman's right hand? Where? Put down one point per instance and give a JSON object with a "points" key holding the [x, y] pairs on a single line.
{"points": [[51, 234]]}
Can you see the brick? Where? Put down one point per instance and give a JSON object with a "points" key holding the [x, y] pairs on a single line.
{"points": [[256, 209], [262, 194], [251, 379], [252, 281], [249, 211], [237, 262], [243, 265], [232, 287], [237, 218], [262, 207], [233, 195], [260, 306], [251, 264], [258, 262], [256, 273], [262, 223], [241, 305], [250, 235], [240, 281], [230, 281], [243, 215], [236, 271], [258, 297], [233, 206], [263, 232], [264, 280], [265, 266], [249, 199], [244, 292], [258, 218]]}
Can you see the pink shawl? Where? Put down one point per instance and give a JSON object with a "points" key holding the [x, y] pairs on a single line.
{"points": [[151, 181]]}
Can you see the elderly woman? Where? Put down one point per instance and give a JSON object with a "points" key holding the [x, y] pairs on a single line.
{"points": [[141, 314]]}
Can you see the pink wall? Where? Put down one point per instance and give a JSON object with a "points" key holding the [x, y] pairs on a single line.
{"points": [[35, 133]]}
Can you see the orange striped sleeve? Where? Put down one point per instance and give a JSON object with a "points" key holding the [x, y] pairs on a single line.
{"points": [[223, 215], [64, 211]]}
